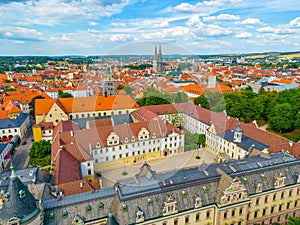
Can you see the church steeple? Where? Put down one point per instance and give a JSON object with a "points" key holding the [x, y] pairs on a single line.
{"points": [[157, 59]]}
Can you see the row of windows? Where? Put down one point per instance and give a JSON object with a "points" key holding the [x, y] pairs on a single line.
{"points": [[275, 198], [9, 131]]}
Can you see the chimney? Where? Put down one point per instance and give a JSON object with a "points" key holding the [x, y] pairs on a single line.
{"points": [[101, 183], [71, 133], [81, 185], [291, 143]]}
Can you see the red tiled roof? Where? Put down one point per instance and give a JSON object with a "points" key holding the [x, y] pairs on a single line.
{"points": [[77, 187]]}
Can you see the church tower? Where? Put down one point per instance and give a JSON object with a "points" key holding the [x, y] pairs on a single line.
{"points": [[19, 206], [109, 84], [157, 59]]}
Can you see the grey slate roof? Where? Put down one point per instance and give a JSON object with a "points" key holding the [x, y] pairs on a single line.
{"points": [[17, 122], [182, 185], [246, 142], [15, 205]]}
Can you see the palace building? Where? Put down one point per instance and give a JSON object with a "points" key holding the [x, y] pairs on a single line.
{"points": [[260, 189]]}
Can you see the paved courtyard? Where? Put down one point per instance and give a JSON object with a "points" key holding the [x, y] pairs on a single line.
{"points": [[176, 162]]}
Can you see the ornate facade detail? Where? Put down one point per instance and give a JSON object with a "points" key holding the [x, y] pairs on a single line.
{"points": [[234, 193], [143, 134], [279, 181], [113, 139], [170, 206]]}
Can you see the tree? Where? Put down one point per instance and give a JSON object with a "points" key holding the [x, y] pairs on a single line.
{"points": [[202, 100], [40, 149], [62, 94], [181, 97], [297, 121], [281, 117], [202, 140], [294, 220], [152, 100]]}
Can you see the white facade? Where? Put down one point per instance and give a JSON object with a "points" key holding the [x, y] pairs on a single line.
{"points": [[75, 93], [8, 132]]}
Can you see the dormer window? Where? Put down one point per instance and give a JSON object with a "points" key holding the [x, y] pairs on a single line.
{"points": [[88, 208], [183, 193], [170, 206], [258, 188], [153, 135], [22, 194], [198, 202], [98, 144], [139, 217], [126, 140], [279, 181], [132, 139], [64, 214], [124, 208], [263, 176], [150, 201], [205, 189], [100, 206], [51, 216]]}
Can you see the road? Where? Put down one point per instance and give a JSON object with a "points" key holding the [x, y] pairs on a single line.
{"points": [[20, 158]]}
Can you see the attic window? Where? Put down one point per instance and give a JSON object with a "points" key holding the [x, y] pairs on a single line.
{"points": [[245, 180], [124, 208], [98, 144], [287, 171], [101, 206], [150, 201], [51, 217], [88, 208], [154, 135], [65, 214], [22, 194], [132, 138], [183, 194], [263, 176], [205, 189]]}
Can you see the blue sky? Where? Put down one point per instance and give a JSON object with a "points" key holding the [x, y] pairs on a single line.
{"points": [[99, 27]]}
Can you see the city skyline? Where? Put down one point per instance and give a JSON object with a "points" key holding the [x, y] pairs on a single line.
{"points": [[91, 27]]}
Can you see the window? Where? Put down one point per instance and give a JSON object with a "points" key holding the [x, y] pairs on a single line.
{"points": [[264, 211], [65, 214], [51, 217], [241, 211], [291, 192], [266, 199], [89, 172], [272, 209], [207, 214], [88, 208], [176, 222], [187, 219], [257, 201], [232, 213], [255, 214], [282, 194], [288, 205], [225, 215], [280, 207], [197, 216], [100, 206], [274, 197]]}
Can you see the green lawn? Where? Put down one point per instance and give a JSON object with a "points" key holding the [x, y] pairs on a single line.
{"points": [[293, 135]]}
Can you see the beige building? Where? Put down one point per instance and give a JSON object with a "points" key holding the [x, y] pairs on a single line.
{"points": [[260, 189], [55, 110]]}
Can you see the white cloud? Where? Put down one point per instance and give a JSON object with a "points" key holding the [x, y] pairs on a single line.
{"points": [[197, 27], [251, 21], [21, 33], [295, 22], [92, 23], [62, 38], [226, 17], [276, 30], [120, 37], [205, 7], [243, 35], [18, 42], [51, 12]]}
